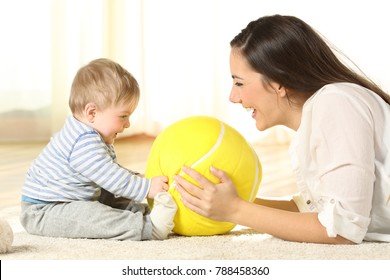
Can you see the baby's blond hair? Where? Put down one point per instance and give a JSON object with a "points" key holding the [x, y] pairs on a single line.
{"points": [[105, 83]]}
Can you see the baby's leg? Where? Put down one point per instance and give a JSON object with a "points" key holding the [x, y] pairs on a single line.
{"points": [[87, 219], [162, 214]]}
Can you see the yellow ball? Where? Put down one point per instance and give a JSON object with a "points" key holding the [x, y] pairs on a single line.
{"points": [[201, 142]]}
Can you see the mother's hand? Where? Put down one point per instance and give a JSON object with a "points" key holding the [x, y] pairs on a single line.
{"points": [[214, 201]]}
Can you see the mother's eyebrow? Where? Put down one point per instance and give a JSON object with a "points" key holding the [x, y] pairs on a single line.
{"points": [[236, 77]]}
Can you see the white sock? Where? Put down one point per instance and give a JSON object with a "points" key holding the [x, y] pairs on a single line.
{"points": [[162, 214]]}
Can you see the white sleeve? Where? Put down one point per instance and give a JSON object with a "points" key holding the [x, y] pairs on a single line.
{"points": [[342, 145]]}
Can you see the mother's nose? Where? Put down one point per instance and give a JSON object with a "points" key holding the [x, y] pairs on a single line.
{"points": [[234, 96]]}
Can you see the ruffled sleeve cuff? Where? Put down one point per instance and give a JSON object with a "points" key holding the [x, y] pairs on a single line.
{"points": [[339, 221]]}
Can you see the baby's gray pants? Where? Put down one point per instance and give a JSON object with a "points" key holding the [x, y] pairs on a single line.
{"points": [[108, 218]]}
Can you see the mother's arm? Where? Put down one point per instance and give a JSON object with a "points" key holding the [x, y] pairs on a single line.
{"points": [[221, 202]]}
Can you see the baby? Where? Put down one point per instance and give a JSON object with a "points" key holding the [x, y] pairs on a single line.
{"points": [[75, 188]]}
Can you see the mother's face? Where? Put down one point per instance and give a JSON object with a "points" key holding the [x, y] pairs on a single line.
{"points": [[254, 93]]}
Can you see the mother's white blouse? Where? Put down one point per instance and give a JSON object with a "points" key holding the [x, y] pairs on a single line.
{"points": [[341, 158]]}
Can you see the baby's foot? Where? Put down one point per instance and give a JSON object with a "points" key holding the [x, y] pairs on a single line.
{"points": [[162, 214]]}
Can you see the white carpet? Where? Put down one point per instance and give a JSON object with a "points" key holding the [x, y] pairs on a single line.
{"points": [[240, 244]]}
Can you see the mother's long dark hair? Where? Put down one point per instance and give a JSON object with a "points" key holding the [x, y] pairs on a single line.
{"points": [[286, 50]]}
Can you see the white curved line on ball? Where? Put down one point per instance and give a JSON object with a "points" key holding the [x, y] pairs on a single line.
{"points": [[216, 145]]}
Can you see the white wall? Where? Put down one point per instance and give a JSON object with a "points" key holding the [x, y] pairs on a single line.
{"points": [[177, 49]]}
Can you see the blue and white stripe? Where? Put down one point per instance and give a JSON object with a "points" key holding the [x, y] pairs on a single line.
{"points": [[76, 164]]}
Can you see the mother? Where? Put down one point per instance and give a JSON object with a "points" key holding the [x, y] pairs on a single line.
{"points": [[288, 75]]}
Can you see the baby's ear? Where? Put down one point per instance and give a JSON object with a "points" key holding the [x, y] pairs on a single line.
{"points": [[90, 112]]}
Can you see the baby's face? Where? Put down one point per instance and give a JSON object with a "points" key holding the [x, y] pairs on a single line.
{"points": [[111, 121]]}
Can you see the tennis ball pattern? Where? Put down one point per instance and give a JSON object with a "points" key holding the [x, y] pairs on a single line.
{"points": [[201, 142]]}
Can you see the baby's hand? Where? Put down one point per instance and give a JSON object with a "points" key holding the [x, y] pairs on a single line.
{"points": [[159, 184]]}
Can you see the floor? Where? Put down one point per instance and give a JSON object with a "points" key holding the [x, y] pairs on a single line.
{"points": [[132, 153]]}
